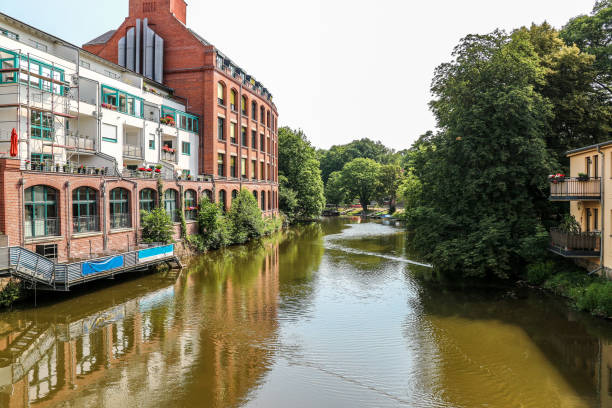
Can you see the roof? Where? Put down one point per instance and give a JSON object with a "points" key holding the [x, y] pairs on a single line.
{"points": [[103, 39], [198, 37], [587, 148]]}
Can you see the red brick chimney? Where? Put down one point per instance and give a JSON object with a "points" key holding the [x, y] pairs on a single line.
{"points": [[148, 8]]}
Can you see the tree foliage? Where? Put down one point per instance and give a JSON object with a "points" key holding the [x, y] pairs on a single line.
{"points": [[245, 218], [390, 178], [299, 164], [214, 228], [156, 226], [361, 178], [337, 156], [335, 192]]}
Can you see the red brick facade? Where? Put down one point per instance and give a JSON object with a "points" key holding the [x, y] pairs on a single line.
{"points": [[14, 181], [190, 69]]}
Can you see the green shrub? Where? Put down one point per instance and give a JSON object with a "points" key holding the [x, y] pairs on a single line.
{"points": [[595, 298], [214, 228], [10, 293], [157, 226], [539, 272], [245, 218]]}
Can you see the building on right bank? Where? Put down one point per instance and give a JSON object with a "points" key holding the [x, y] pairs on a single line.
{"points": [[588, 189]]}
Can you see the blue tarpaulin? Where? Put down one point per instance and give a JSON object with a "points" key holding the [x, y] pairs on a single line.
{"points": [[107, 264], [149, 254]]}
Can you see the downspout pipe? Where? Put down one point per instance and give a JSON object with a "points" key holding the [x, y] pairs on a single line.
{"points": [[603, 206]]}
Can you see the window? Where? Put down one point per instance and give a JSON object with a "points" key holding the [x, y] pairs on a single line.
{"points": [[263, 201], [41, 125], [186, 148], [243, 169], [185, 174], [190, 205], [262, 169], [269, 201], [41, 158], [41, 212], [254, 111], [152, 142], [262, 114], [253, 139], [38, 46], [208, 195], [243, 106], [233, 166], [255, 195], [109, 133], [9, 34], [220, 93], [222, 200], [588, 220], [253, 169], [588, 166], [170, 197], [121, 101], [221, 128], [243, 137], [84, 210], [221, 165], [188, 122], [262, 142], [234, 195], [146, 200], [268, 119], [595, 219], [233, 132], [596, 166], [233, 100], [119, 208]]}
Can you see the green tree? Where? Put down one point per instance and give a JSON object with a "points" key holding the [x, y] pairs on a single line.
{"points": [[337, 156], [299, 164], [334, 189], [410, 191], [287, 198], [156, 226], [214, 228], [245, 218], [360, 178], [489, 161], [390, 178]]}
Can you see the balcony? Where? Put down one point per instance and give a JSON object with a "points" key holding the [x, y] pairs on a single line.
{"points": [[120, 221], [575, 244], [79, 142], [85, 224], [132, 151], [575, 189], [169, 156], [42, 227]]}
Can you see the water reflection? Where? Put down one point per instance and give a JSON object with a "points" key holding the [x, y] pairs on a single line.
{"points": [[325, 314]]}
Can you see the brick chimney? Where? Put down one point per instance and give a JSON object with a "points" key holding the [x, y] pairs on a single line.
{"points": [[149, 8]]}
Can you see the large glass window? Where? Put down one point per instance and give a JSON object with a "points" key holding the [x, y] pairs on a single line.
{"points": [[41, 212], [85, 210], [243, 137], [186, 148], [253, 169], [146, 201], [170, 206], [243, 106], [233, 172], [243, 168], [221, 165], [208, 195], [263, 201], [41, 70], [233, 97], [262, 142], [220, 93], [233, 133], [191, 209], [253, 139], [222, 200], [120, 208], [121, 101], [41, 125], [254, 111], [221, 128]]}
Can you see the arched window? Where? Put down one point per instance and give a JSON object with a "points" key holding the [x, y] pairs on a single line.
{"points": [[191, 210], [85, 210], [41, 214], [147, 199], [208, 195], [263, 201], [269, 201], [255, 195], [254, 110], [220, 93], [233, 96], [262, 114], [268, 119], [234, 195], [120, 208], [170, 197], [243, 106], [222, 200]]}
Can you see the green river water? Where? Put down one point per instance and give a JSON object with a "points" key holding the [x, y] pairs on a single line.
{"points": [[323, 315]]}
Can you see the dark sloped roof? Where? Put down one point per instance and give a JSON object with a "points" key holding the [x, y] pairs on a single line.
{"points": [[103, 39]]}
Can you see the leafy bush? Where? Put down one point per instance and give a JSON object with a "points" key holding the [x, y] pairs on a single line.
{"points": [[595, 298], [245, 218], [273, 224], [10, 293], [157, 226], [214, 228], [539, 272]]}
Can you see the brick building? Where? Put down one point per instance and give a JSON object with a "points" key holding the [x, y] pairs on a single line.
{"points": [[98, 126]]}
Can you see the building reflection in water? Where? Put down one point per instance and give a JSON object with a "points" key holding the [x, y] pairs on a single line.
{"points": [[202, 331]]}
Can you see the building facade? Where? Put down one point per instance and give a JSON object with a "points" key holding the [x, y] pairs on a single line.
{"points": [[588, 189], [95, 138]]}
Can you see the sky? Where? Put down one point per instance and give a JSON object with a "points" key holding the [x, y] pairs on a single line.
{"points": [[338, 69]]}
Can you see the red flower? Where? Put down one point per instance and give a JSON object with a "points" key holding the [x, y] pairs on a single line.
{"points": [[157, 170], [149, 169], [141, 169]]}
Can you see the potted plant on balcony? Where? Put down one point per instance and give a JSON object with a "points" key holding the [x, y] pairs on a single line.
{"points": [[65, 167], [583, 177], [556, 178], [27, 165], [97, 170]]}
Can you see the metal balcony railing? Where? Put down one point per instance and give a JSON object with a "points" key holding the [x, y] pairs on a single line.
{"points": [[132, 151], [79, 142], [575, 189], [85, 224], [38, 228], [168, 156], [118, 221], [575, 244]]}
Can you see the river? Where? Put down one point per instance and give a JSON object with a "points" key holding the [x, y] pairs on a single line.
{"points": [[323, 315]]}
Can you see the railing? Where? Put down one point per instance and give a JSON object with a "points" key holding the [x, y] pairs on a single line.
{"points": [[575, 189], [85, 224], [118, 221], [575, 243], [132, 150], [79, 142], [47, 227], [69, 168], [168, 156]]}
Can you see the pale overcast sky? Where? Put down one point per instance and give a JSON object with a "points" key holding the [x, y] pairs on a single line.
{"points": [[338, 69]]}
